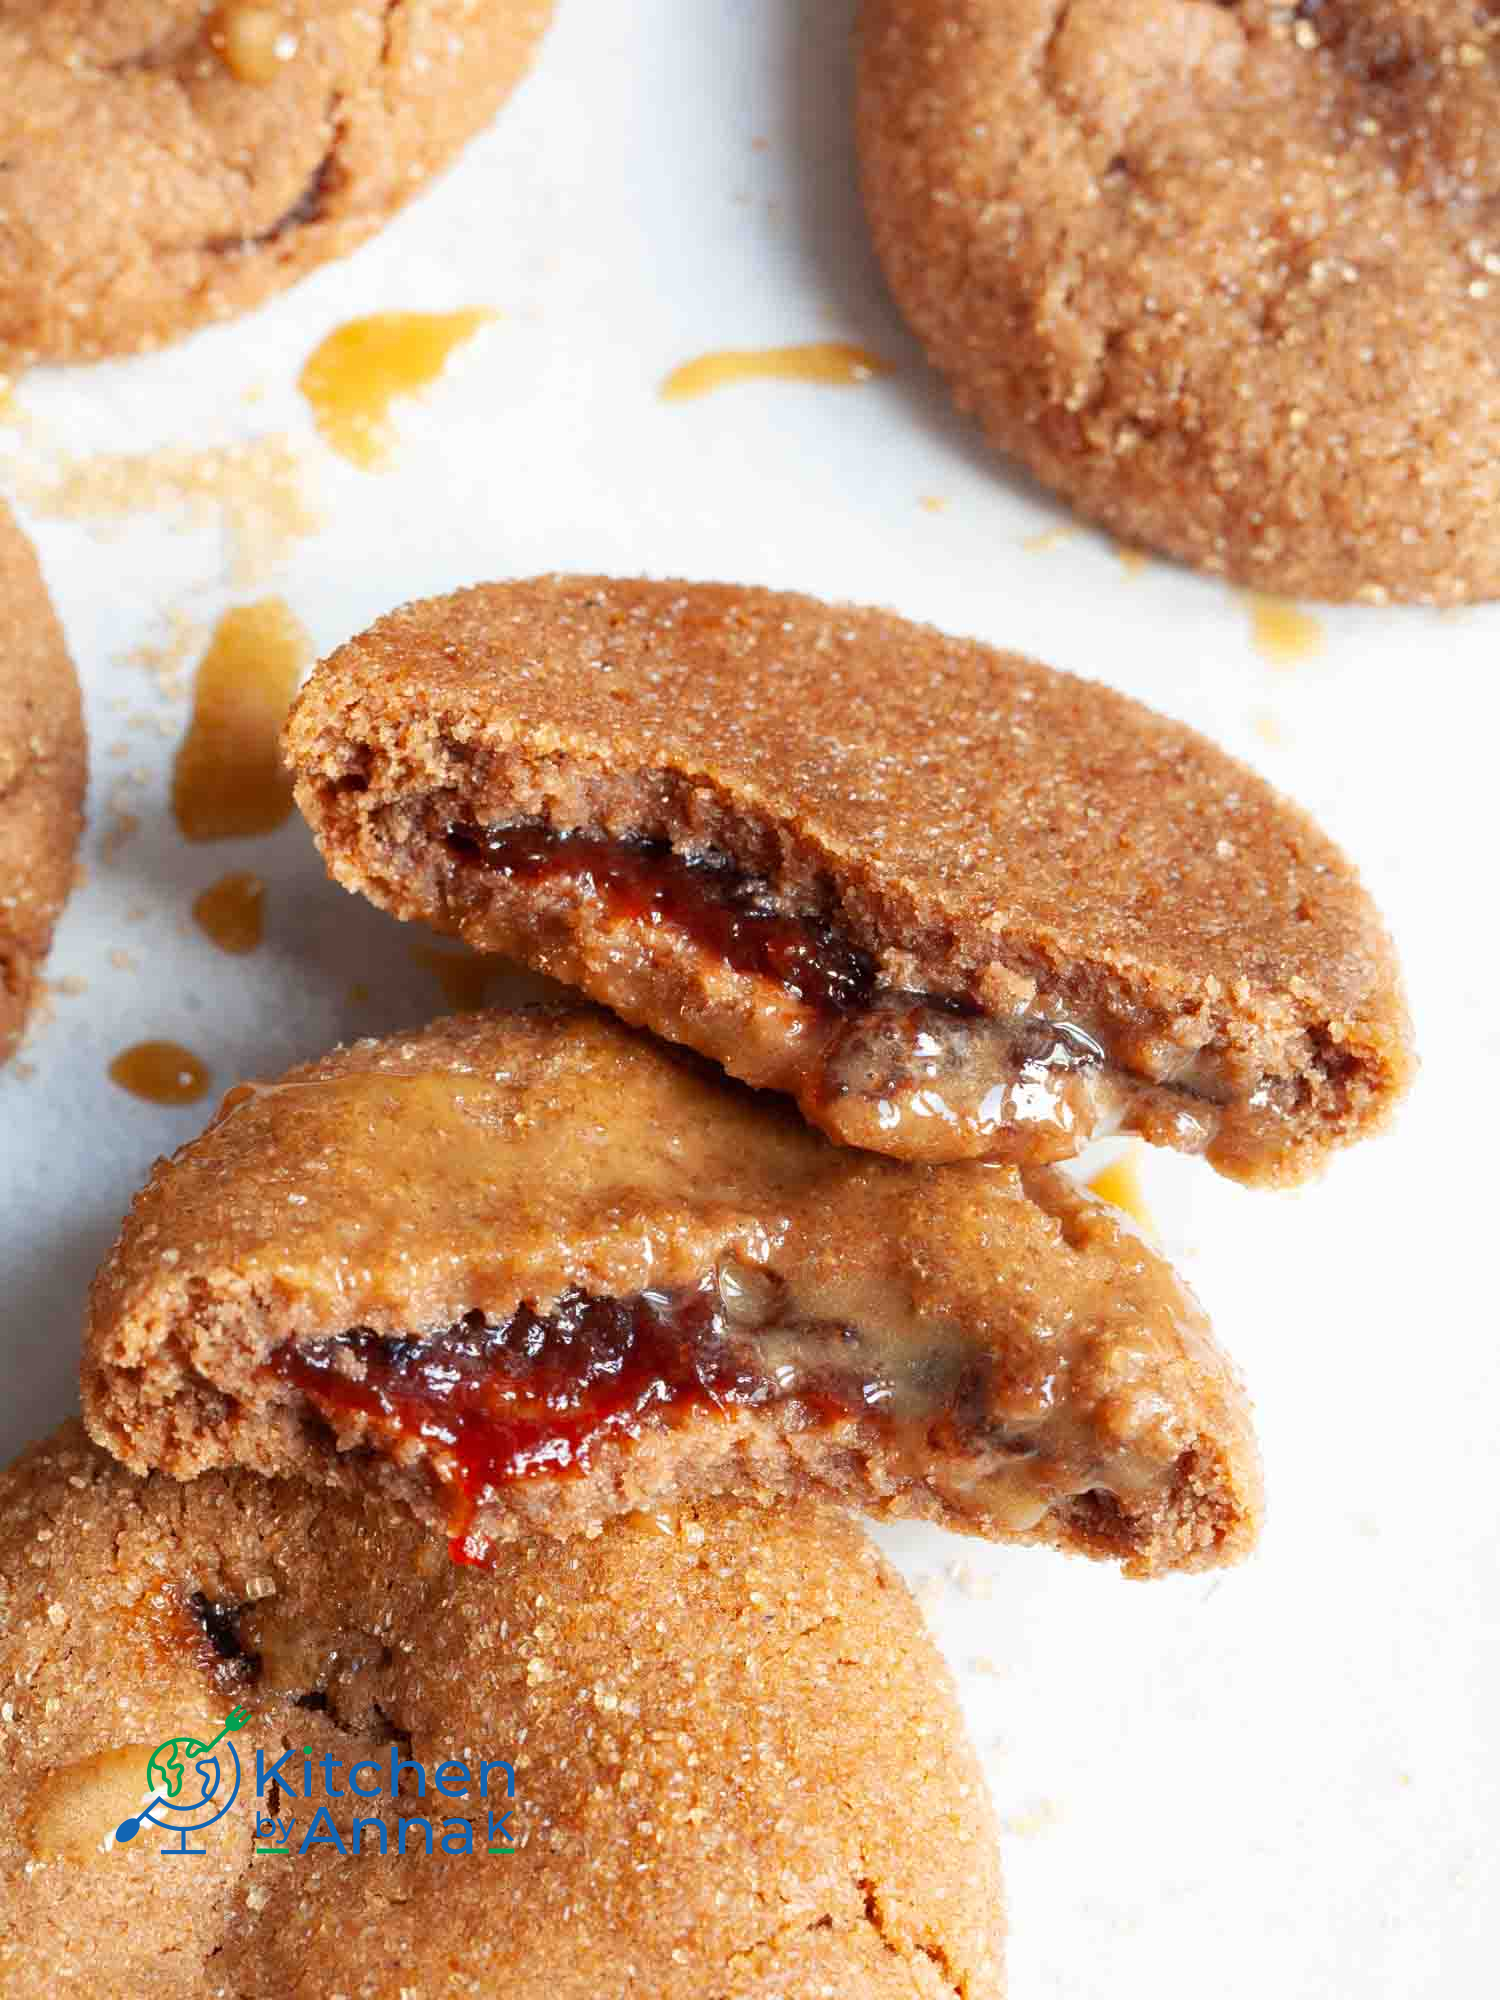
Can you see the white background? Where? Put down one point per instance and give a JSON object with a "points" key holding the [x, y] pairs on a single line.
{"points": [[1280, 1782]]}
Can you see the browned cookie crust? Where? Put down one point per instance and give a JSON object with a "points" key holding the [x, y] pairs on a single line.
{"points": [[740, 1770], [978, 908], [164, 165], [43, 765], [1226, 276], [529, 1270]]}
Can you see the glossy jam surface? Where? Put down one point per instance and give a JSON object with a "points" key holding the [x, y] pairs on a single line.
{"points": [[727, 912], [533, 1396], [879, 1069], [352, 378], [229, 780]]}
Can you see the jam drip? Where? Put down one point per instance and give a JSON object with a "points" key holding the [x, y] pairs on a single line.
{"points": [[532, 1396], [727, 912]]}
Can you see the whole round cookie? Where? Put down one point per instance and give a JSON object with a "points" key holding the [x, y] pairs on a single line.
{"points": [[737, 1764], [168, 163], [1225, 276], [43, 764]]}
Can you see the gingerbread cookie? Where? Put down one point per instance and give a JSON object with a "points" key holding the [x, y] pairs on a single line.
{"points": [[528, 1270], [958, 905], [737, 1766], [43, 766], [168, 163], [1224, 276]]}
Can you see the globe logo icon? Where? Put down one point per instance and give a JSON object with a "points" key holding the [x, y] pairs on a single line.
{"points": [[193, 1784]]}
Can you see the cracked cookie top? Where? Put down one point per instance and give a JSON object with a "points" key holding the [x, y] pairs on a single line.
{"points": [[959, 905], [739, 1764], [43, 764], [531, 1269], [1223, 275], [167, 163]]}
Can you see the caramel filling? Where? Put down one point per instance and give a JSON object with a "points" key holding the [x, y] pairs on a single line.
{"points": [[535, 1396], [874, 1067]]}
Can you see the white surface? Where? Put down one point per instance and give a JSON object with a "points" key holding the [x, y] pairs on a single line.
{"points": [[1284, 1781]]}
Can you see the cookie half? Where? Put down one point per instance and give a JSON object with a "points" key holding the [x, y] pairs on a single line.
{"points": [[169, 163], [1221, 275], [958, 905], [43, 768], [738, 1763], [529, 1270]]}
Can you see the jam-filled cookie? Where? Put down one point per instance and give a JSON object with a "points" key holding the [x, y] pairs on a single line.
{"points": [[43, 761], [958, 905], [167, 163], [737, 1765], [1226, 276], [528, 1270]]}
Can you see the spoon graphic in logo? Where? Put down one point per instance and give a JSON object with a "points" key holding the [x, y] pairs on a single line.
{"points": [[193, 1784]]}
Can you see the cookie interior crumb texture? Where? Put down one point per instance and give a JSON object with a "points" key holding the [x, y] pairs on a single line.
{"points": [[531, 1269], [740, 1769], [1225, 276], [956, 903], [153, 183], [43, 766]]}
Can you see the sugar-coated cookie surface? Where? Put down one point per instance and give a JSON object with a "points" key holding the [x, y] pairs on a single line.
{"points": [[739, 1765], [528, 1270], [43, 765], [1224, 276], [168, 163], [957, 904]]}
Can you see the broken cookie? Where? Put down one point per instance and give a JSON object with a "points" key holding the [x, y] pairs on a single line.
{"points": [[956, 904], [528, 1270], [716, 1752]]}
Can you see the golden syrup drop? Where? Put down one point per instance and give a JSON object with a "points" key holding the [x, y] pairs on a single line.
{"points": [[232, 912], [352, 378], [835, 361], [255, 42], [1132, 561], [1120, 1185], [229, 781], [932, 503], [1282, 632], [160, 1072], [464, 977]]}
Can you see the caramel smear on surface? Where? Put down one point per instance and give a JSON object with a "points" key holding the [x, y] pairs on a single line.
{"points": [[160, 1072], [255, 487], [1049, 539], [255, 43], [464, 976], [229, 781], [232, 912], [1120, 1185], [1283, 633], [835, 361], [352, 378]]}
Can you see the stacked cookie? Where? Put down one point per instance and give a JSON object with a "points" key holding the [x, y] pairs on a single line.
{"points": [[508, 1383]]}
